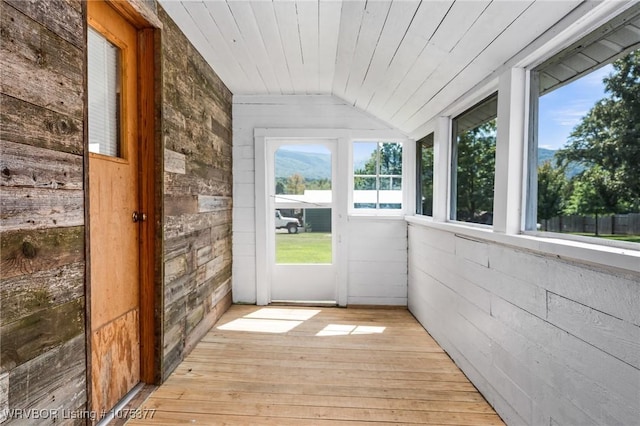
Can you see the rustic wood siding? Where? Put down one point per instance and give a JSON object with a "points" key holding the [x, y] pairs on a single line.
{"points": [[42, 349], [42, 253], [196, 131]]}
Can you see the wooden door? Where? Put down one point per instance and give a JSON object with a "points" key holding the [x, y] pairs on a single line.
{"points": [[114, 197]]}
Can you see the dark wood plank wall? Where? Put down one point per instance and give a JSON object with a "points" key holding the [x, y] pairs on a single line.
{"points": [[42, 304], [196, 131], [42, 290]]}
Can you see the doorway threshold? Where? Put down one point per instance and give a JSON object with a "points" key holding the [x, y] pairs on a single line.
{"points": [[128, 406], [310, 303]]}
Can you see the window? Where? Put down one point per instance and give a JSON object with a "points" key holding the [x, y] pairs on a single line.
{"points": [[103, 95], [473, 163], [424, 179], [377, 175], [585, 176]]}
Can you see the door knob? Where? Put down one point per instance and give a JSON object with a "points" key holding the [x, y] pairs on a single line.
{"points": [[139, 216]]}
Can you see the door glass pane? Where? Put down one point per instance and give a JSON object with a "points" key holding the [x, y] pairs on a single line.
{"points": [[312, 243], [104, 95], [303, 192]]}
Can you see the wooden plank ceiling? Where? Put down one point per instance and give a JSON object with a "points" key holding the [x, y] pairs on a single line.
{"points": [[402, 61]]}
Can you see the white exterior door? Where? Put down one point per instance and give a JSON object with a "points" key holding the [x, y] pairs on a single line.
{"points": [[301, 206]]}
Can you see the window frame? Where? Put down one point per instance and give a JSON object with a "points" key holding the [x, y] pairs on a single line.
{"points": [[512, 81], [428, 142], [453, 162], [534, 70], [378, 212]]}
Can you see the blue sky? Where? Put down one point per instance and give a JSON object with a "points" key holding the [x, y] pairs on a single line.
{"points": [[561, 110]]}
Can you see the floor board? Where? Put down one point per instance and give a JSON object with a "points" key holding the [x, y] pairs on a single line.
{"points": [[317, 366]]}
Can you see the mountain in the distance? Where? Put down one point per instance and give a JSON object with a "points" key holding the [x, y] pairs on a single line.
{"points": [[545, 155], [310, 165], [549, 154], [314, 166]]}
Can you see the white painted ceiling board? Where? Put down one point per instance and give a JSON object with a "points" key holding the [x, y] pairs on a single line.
{"points": [[373, 22], [430, 59], [413, 53], [287, 20], [459, 20], [205, 24], [222, 17], [265, 17], [350, 23], [402, 61], [484, 30], [329, 28], [396, 27], [523, 31], [247, 32], [308, 13]]}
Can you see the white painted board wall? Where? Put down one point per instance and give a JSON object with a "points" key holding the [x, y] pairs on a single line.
{"points": [[546, 341], [372, 276]]}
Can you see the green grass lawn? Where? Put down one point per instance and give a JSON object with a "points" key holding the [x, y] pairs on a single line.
{"points": [[627, 238], [307, 247]]}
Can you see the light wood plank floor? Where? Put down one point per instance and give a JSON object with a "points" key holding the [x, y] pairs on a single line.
{"points": [[317, 366]]}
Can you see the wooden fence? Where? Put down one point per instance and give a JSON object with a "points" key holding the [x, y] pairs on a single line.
{"points": [[620, 224]]}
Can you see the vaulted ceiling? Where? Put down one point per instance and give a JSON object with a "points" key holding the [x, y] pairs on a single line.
{"points": [[402, 61]]}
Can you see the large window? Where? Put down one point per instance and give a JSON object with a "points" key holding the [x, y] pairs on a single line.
{"points": [[424, 168], [473, 163], [587, 140], [377, 175]]}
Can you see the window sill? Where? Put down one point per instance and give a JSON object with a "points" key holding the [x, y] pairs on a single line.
{"points": [[376, 216], [586, 252]]}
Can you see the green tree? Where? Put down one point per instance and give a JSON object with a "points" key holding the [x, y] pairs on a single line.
{"points": [[280, 187], [552, 184], [295, 184], [609, 137], [595, 193], [426, 183], [386, 159], [319, 184], [390, 159], [475, 173]]}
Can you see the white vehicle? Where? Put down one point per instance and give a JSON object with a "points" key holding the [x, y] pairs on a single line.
{"points": [[291, 224]]}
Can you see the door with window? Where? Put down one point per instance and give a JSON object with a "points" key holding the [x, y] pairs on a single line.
{"points": [[114, 205], [301, 204]]}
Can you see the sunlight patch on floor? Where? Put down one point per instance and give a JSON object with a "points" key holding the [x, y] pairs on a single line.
{"points": [[345, 330], [272, 320], [260, 325], [284, 314]]}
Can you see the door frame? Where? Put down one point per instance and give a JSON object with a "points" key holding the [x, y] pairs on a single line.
{"points": [[265, 252], [315, 272], [150, 167]]}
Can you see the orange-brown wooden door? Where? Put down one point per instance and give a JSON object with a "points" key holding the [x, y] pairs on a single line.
{"points": [[114, 197]]}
